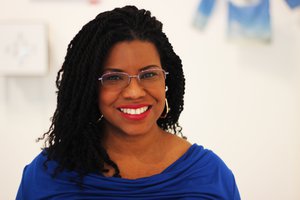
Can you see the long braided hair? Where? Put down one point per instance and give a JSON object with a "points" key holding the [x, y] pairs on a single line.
{"points": [[74, 139]]}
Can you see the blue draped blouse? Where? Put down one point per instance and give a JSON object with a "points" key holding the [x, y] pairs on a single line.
{"points": [[198, 174]]}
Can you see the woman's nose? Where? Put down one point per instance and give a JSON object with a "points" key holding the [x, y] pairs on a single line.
{"points": [[134, 89]]}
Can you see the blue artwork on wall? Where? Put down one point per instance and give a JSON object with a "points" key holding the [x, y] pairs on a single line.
{"points": [[249, 21], [203, 13], [293, 3]]}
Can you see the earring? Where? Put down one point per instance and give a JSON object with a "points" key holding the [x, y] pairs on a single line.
{"points": [[99, 120], [167, 109], [166, 88]]}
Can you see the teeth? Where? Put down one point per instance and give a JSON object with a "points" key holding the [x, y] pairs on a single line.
{"points": [[134, 111]]}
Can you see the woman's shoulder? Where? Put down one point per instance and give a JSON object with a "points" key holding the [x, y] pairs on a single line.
{"points": [[36, 168], [40, 168], [37, 161], [206, 169], [175, 147], [32, 177], [194, 151], [205, 158], [191, 152], [177, 143], [195, 156]]}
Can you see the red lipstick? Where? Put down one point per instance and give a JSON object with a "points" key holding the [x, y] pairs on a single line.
{"points": [[130, 116]]}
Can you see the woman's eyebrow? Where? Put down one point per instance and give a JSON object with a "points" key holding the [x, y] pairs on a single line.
{"points": [[149, 67], [112, 69]]}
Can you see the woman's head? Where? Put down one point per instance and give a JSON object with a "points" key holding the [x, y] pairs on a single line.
{"points": [[87, 53], [132, 90], [78, 85]]}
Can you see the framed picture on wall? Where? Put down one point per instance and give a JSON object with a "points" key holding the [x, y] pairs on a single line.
{"points": [[23, 49]]}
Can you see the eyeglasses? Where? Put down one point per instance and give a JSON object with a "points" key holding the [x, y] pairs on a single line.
{"points": [[120, 80]]}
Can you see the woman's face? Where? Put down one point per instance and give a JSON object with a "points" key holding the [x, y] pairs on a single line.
{"points": [[134, 108]]}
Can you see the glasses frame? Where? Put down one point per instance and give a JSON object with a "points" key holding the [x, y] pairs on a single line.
{"points": [[137, 76]]}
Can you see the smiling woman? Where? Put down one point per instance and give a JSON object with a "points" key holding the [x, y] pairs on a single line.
{"points": [[122, 103], [115, 132]]}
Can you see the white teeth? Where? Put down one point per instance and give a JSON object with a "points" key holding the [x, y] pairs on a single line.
{"points": [[134, 111]]}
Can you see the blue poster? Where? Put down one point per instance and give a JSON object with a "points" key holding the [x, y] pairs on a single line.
{"points": [[293, 3], [251, 21], [203, 13]]}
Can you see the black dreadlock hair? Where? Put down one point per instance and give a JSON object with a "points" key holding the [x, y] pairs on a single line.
{"points": [[74, 139]]}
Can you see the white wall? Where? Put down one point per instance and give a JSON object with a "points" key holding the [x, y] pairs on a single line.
{"points": [[242, 100]]}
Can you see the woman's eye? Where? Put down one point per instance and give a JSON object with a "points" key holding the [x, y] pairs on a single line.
{"points": [[148, 75], [114, 77]]}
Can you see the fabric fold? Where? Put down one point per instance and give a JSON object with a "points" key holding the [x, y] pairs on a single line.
{"points": [[198, 174]]}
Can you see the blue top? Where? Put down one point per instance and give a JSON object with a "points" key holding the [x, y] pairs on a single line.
{"points": [[198, 174]]}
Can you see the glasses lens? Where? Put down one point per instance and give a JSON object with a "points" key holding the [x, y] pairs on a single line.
{"points": [[115, 79], [151, 75]]}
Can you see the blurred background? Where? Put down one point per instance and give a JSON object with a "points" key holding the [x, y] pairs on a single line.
{"points": [[242, 85]]}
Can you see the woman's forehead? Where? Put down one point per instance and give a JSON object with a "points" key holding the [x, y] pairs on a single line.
{"points": [[134, 53]]}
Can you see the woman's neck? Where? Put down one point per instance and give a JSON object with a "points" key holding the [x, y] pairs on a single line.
{"points": [[120, 144]]}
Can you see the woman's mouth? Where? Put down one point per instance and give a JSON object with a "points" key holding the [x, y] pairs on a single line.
{"points": [[132, 111], [135, 112]]}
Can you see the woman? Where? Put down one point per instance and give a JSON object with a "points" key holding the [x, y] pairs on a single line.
{"points": [[114, 131]]}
